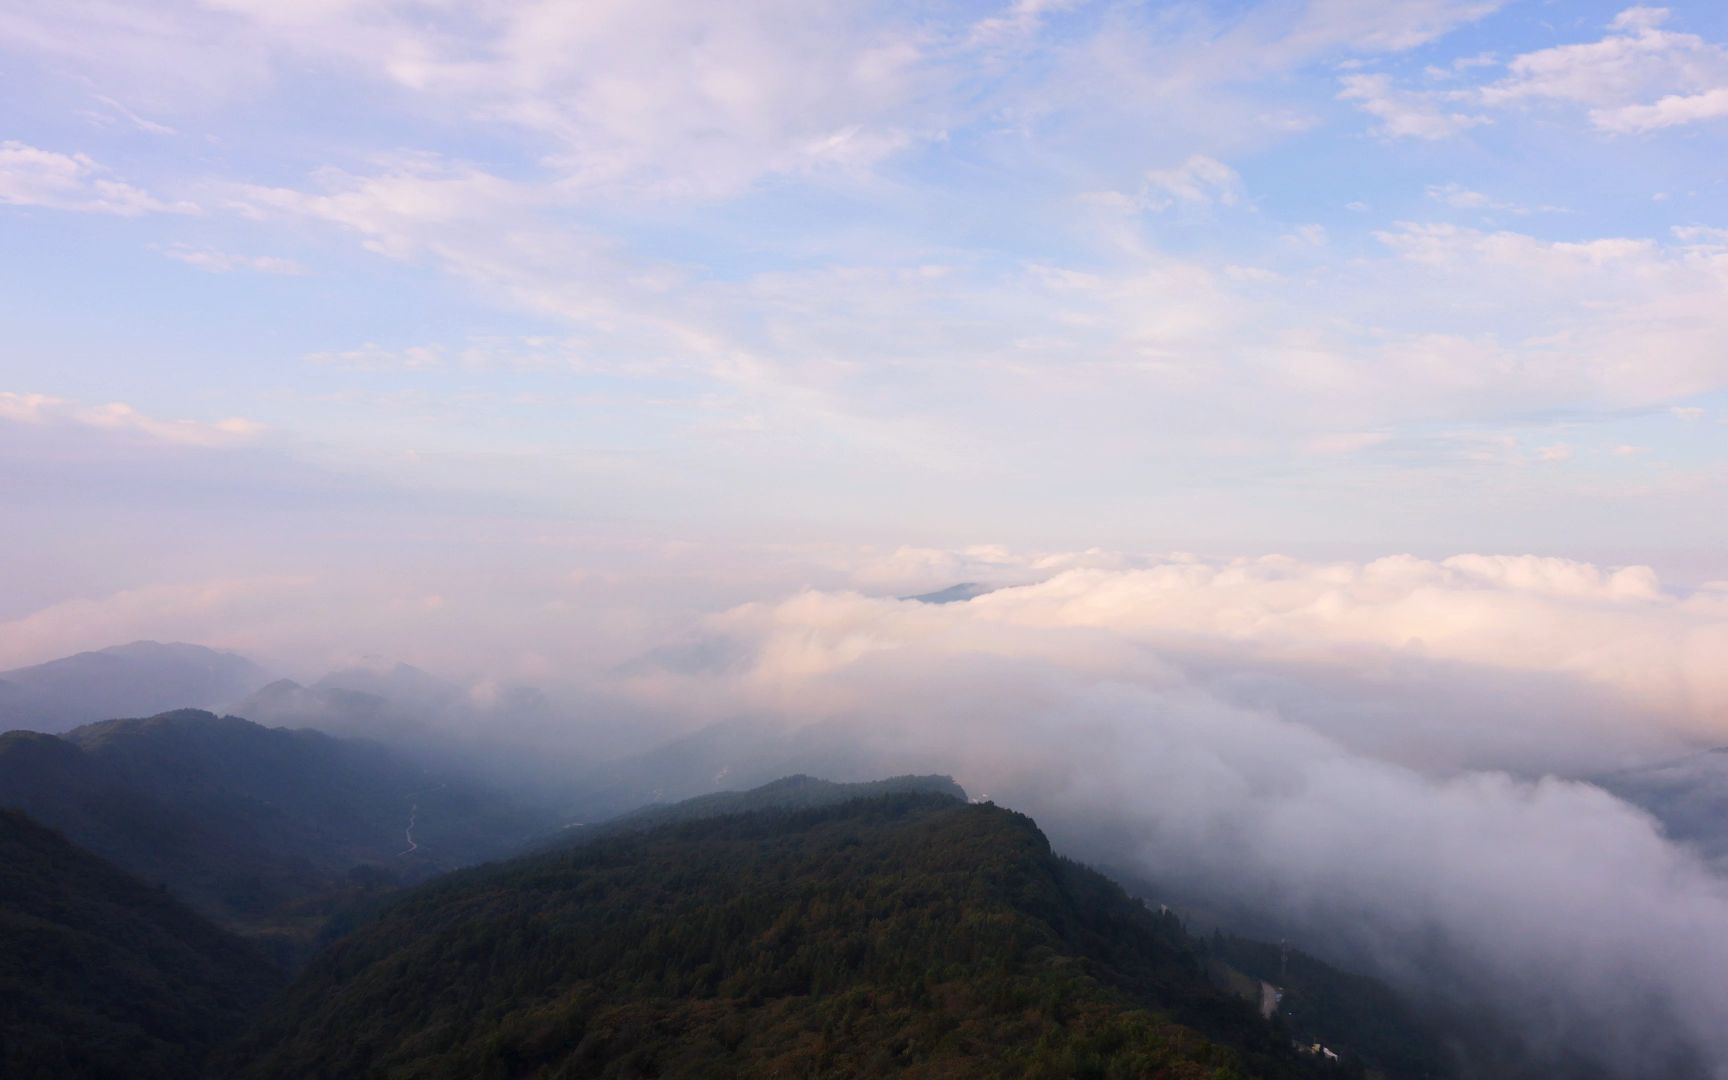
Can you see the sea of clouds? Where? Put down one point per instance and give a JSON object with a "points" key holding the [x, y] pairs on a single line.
{"points": [[1388, 761], [1381, 759]]}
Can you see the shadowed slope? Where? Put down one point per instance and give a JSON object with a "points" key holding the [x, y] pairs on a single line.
{"points": [[104, 976], [261, 828]]}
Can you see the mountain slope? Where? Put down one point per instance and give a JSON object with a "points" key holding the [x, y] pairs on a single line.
{"points": [[139, 679], [911, 933], [264, 829], [954, 594], [332, 710], [1357, 1015], [798, 792], [728, 755], [103, 976], [1688, 795]]}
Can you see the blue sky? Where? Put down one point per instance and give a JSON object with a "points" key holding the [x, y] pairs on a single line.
{"points": [[1334, 277]]}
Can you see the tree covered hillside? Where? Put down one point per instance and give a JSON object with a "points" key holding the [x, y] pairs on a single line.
{"points": [[798, 792], [265, 830], [911, 933], [104, 976]]}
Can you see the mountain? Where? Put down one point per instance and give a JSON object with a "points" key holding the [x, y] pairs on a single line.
{"points": [[512, 736], [1689, 795], [912, 934], [797, 792], [266, 830], [139, 679], [104, 976], [1336, 1009], [953, 594], [331, 709], [404, 685], [729, 755]]}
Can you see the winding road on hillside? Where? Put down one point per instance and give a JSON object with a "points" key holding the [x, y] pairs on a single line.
{"points": [[413, 812]]}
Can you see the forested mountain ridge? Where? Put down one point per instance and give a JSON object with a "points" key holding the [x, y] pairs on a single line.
{"points": [[102, 975], [797, 792], [911, 933], [264, 829]]}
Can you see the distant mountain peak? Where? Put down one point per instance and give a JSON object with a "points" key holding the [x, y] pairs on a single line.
{"points": [[796, 792], [954, 594], [140, 678], [391, 680], [281, 686]]}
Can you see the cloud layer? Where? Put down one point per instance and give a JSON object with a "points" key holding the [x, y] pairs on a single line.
{"points": [[1235, 732], [1375, 758]]}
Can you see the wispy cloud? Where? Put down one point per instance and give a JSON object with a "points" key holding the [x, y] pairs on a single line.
{"points": [[222, 262], [45, 410], [1637, 78], [1402, 113], [31, 176]]}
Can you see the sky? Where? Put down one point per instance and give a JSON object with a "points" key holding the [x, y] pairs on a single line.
{"points": [[429, 293]]}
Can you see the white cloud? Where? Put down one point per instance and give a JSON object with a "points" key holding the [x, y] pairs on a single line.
{"points": [[1641, 654], [1020, 19], [1640, 18], [374, 357], [42, 409], [681, 100], [1140, 343], [834, 341], [664, 99], [221, 262], [112, 109], [1407, 113], [1278, 35], [657, 99], [1456, 195], [1231, 724], [515, 240], [1705, 240], [1200, 181], [1641, 318], [1669, 111], [405, 210], [1440, 245], [1639, 77], [30, 176]]}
